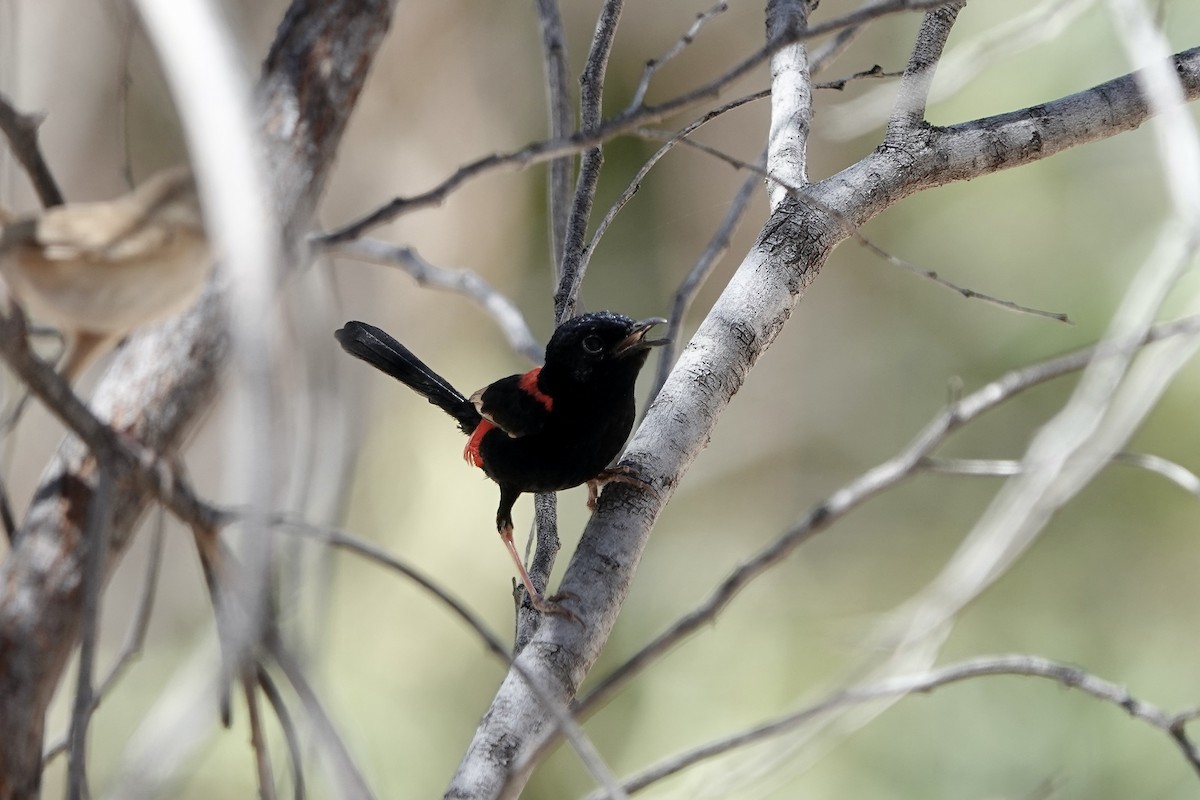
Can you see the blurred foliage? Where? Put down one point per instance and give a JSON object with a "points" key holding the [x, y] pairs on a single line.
{"points": [[869, 356]]}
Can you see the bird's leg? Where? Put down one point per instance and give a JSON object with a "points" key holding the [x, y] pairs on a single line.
{"points": [[622, 473], [504, 525]]}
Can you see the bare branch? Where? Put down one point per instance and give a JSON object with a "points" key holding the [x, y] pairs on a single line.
{"points": [[856, 492], [806, 197], [655, 64], [134, 639], [461, 281], [1177, 474], [590, 99], [258, 741], [791, 99], [163, 379], [345, 773], [558, 106], [635, 183], [275, 698], [21, 131], [1068, 676], [621, 124], [913, 93], [97, 532], [840, 84], [562, 717]]}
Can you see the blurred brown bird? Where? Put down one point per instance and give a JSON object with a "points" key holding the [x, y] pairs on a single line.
{"points": [[98, 270]]}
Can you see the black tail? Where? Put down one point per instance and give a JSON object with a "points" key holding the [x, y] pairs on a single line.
{"points": [[387, 355]]}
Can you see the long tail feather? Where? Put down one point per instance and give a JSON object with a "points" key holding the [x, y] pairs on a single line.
{"points": [[387, 355]]}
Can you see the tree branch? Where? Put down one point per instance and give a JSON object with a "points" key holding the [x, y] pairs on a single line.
{"points": [[789, 253], [1068, 676], [21, 132], [165, 378]]}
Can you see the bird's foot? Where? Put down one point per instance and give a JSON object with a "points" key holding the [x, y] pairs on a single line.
{"points": [[622, 473], [554, 605]]}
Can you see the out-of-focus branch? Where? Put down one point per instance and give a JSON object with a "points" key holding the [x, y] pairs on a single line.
{"points": [[165, 378], [460, 281], [1066, 675], [558, 108], [352, 544], [21, 132]]}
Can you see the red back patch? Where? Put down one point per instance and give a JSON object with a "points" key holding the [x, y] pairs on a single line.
{"points": [[529, 384]]}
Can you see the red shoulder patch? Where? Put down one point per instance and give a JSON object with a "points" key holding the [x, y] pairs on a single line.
{"points": [[529, 384], [471, 451]]}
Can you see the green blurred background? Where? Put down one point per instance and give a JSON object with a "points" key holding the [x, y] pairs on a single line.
{"points": [[869, 356]]}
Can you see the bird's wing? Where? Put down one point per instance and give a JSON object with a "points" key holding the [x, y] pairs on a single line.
{"points": [[109, 231], [514, 404]]}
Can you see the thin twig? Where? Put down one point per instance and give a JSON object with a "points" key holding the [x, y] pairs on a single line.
{"points": [[561, 715], [21, 131], [856, 233], [861, 489], [545, 534], [6, 514], [655, 64], [591, 97], [635, 184], [460, 281], [558, 107], [827, 53], [1174, 472], [258, 740], [97, 532], [135, 639], [874, 72], [127, 456], [621, 124], [275, 698], [1177, 474], [1065, 675], [345, 774]]}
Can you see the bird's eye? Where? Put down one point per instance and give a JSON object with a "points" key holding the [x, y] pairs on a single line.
{"points": [[593, 344]]}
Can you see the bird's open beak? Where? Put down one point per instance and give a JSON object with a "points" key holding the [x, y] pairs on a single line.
{"points": [[636, 341]]}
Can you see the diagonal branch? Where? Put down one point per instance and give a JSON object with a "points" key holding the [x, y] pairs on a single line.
{"points": [[789, 253], [1066, 675], [21, 132]]}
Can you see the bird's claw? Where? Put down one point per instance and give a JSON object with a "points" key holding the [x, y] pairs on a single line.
{"points": [[622, 473], [553, 605]]}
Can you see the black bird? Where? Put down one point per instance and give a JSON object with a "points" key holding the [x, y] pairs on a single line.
{"points": [[555, 427]]}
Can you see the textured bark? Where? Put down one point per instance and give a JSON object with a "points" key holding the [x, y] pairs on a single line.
{"points": [[164, 380]]}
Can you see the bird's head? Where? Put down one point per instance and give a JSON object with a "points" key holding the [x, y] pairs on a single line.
{"points": [[600, 346]]}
